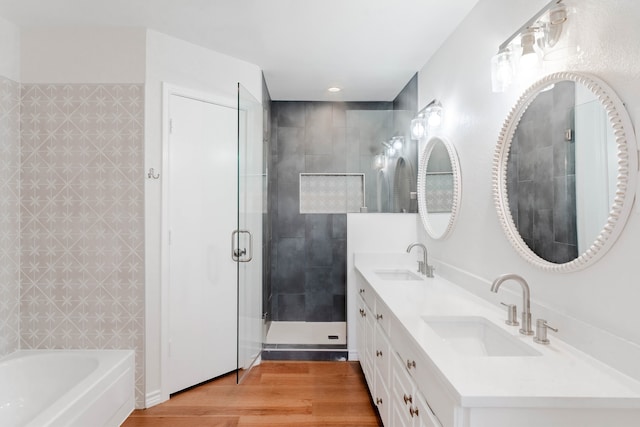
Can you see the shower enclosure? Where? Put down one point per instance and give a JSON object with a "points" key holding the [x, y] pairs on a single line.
{"points": [[326, 160]]}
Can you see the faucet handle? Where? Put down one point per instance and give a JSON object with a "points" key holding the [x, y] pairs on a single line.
{"points": [[421, 267], [541, 332], [429, 269], [512, 314]]}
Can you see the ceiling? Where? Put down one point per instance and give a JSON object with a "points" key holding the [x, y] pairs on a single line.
{"points": [[369, 48]]}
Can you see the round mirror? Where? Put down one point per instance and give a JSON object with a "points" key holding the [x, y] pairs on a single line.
{"points": [[565, 171], [438, 187]]}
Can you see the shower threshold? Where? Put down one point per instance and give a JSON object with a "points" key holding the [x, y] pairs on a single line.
{"points": [[306, 341]]}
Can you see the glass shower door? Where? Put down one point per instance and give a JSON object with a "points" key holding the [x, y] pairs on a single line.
{"points": [[247, 238]]}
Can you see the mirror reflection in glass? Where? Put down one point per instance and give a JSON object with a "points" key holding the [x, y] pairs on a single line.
{"points": [[438, 187], [562, 172]]}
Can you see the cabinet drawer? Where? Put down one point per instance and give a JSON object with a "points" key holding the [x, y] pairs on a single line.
{"points": [[366, 292], [383, 316], [381, 399], [423, 412], [402, 392], [423, 374], [381, 355]]}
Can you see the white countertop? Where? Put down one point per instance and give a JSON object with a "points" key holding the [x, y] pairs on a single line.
{"points": [[560, 377]]}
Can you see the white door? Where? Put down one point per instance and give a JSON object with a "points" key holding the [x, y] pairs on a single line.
{"points": [[202, 213]]}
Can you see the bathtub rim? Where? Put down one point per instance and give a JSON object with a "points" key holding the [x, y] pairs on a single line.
{"points": [[112, 366]]}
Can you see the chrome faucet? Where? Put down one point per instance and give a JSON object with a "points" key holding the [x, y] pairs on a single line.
{"points": [[526, 299], [423, 266]]}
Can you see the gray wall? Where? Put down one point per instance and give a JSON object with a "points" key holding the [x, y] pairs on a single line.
{"points": [[308, 252], [541, 176]]}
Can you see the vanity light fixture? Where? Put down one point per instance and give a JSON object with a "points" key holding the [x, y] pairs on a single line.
{"points": [[379, 161], [397, 142], [389, 150], [529, 59], [430, 117], [418, 127], [434, 114], [540, 37]]}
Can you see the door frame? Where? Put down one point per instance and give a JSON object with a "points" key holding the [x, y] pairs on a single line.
{"points": [[167, 91]]}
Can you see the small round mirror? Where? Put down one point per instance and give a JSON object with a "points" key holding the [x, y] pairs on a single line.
{"points": [[565, 171], [438, 187]]}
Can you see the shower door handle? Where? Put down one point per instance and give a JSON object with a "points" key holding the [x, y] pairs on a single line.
{"points": [[237, 254]]}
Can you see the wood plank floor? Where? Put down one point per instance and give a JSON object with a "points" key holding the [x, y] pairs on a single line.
{"points": [[274, 394]]}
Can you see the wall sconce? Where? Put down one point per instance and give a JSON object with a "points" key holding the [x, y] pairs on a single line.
{"points": [[547, 34], [430, 117], [389, 150], [397, 142], [379, 161]]}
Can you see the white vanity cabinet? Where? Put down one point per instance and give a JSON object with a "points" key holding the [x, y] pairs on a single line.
{"points": [[391, 367], [374, 351], [419, 379]]}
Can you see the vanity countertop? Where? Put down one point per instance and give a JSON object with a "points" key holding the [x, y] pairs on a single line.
{"points": [[561, 376]]}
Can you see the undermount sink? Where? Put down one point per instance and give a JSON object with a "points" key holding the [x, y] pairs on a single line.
{"points": [[397, 274], [477, 337]]}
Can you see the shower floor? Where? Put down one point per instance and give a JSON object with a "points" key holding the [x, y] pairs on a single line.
{"points": [[307, 333], [306, 341]]}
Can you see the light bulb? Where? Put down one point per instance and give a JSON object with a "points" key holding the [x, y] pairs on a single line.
{"points": [[397, 143], [379, 161], [502, 71], [417, 128], [435, 118], [529, 59]]}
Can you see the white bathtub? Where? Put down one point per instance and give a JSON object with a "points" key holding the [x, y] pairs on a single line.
{"points": [[80, 388]]}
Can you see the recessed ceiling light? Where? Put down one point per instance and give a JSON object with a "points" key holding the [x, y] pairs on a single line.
{"points": [[334, 89]]}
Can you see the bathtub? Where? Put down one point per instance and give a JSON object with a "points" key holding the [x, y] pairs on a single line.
{"points": [[52, 388]]}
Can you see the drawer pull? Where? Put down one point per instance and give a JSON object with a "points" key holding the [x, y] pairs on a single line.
{"points": [[378, 316], [413, 412], [378, 401], [361, 312], [362, 291], [411, 364], [378, 353], [407, 399]]}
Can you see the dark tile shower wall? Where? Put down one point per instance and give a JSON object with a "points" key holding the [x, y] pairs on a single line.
{"points": [[308, 252], [541, 176]]}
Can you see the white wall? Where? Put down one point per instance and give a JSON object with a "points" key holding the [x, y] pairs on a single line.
{"points": [[373, 233], [591, 306], [9, 50], [195, 68], [83, 55]]}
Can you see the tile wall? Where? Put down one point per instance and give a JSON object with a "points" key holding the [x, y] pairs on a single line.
{"points": [[9, 216], [308, 250], [82, 219], [541, 176]]}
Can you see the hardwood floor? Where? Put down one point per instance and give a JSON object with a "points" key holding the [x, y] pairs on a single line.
{"points": [[274, 394]]}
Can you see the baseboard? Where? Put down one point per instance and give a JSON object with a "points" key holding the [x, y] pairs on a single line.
{"points": [[153, 398], [353, 356]]}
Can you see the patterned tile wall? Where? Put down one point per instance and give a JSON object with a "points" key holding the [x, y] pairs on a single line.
{"points": [[9, 216], [331, 193], [82, 219]]}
